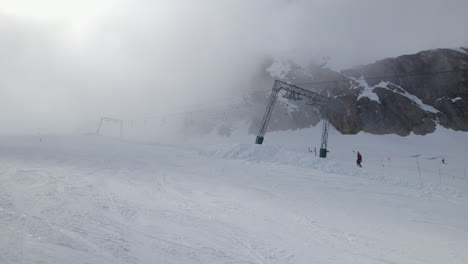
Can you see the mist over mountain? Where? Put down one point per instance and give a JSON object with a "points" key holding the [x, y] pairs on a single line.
{"points": [[402, 95], [129, 131], [408, 94], [64, 64]]}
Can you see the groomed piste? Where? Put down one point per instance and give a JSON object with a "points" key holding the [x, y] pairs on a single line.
{"points": [[97, 199]]}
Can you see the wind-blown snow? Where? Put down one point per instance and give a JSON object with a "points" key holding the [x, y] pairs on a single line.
{"points": [[89, 199], [279, 69]]}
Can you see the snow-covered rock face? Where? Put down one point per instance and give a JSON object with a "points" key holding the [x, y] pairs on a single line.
{"points": [[367, 91], [392, 96], [463, 50], [428, 88]]}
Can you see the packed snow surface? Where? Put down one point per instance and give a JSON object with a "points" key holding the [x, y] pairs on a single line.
{"points": [[94, 199]]}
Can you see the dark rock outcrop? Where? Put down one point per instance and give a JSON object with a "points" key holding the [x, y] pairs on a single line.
{"points": [[403, 95]]}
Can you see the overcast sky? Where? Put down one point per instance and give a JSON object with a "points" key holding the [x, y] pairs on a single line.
{"points": [[62, 61]]}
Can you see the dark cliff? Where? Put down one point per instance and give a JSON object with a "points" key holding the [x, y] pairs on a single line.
{"points": [[410, 93]]}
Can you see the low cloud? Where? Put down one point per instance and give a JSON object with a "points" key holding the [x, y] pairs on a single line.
{"points": [[62, 70]]}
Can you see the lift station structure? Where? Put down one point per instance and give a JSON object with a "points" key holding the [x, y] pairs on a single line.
{"points": [[295, 93]]}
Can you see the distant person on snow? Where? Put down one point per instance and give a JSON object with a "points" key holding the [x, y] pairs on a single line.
{"points": [[359, 159], [443, 161]]}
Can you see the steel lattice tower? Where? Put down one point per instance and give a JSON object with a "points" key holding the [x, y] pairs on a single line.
{"points": [[294, 92]]}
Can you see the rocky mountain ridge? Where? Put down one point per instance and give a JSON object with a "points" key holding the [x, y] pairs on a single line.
{"points": [[403, 95]]}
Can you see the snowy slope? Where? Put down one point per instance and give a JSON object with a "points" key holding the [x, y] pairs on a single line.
{"points": [[89, 199]]}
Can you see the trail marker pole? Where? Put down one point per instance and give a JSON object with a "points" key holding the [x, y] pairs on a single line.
{"points": [[99, 126], [440, 178], [419, 170]]}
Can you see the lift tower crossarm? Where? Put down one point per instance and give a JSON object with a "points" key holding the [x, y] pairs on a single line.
{"points": [[317, 98]]}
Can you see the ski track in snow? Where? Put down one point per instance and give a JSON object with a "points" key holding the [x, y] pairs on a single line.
{"points": [[86, 199]]}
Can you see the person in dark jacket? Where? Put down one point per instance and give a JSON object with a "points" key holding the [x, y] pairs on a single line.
{"points": [[359, 159]]}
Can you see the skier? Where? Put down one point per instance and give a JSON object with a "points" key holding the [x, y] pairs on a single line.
{"points": [[359, 159], [443, 161]]}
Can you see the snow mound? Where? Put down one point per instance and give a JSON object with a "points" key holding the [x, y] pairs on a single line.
{"points": [[275, 154], [391, 174]]}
